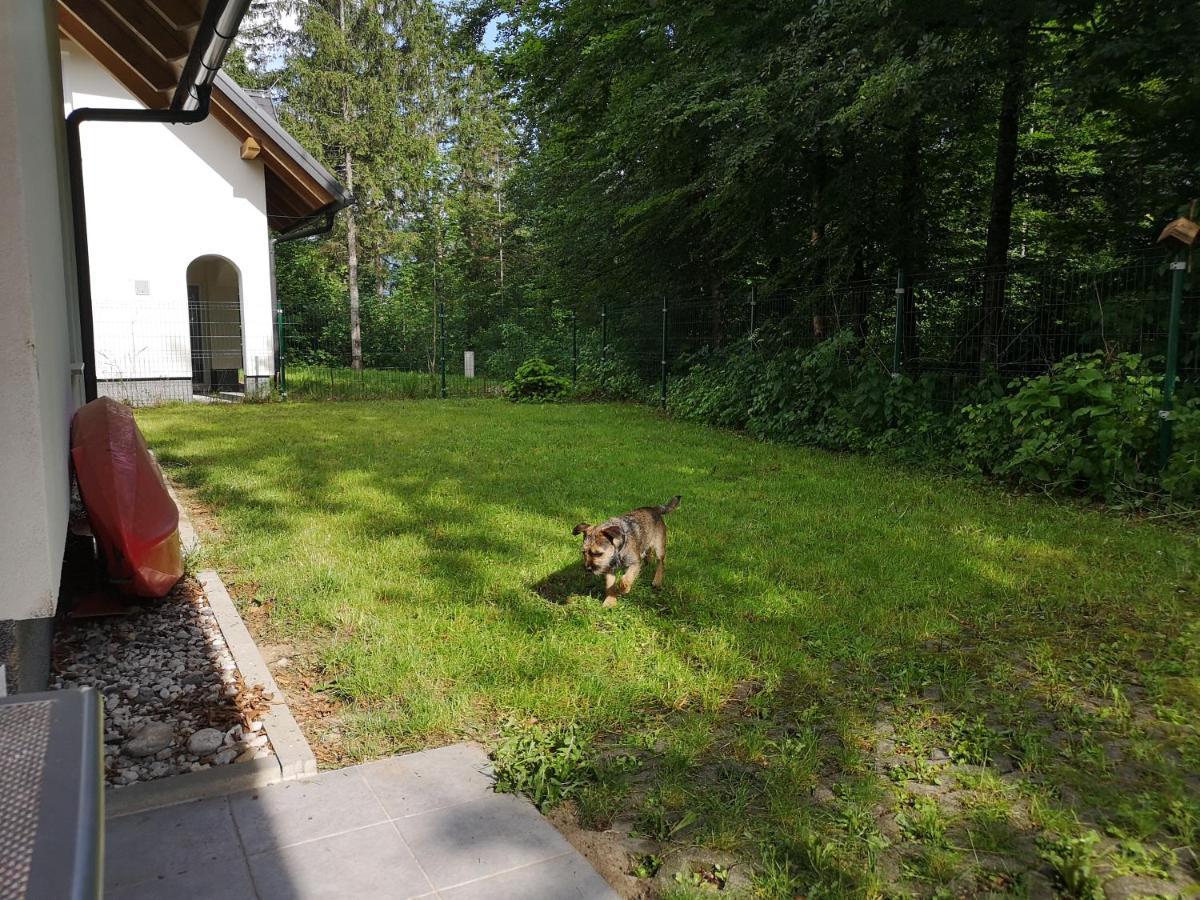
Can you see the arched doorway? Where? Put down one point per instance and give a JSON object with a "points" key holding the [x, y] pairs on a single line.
{"points": [[215, 325]]}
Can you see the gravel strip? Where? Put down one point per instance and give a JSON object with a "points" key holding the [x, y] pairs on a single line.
{"points": [[174, 700]]}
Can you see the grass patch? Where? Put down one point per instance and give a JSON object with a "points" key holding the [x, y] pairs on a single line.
{"points": [[344, 383], [424, 549]]}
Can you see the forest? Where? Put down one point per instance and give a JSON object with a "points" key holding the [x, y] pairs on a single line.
{"points": [[526, 161]]}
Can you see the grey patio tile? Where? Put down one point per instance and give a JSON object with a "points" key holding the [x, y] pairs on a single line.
{"points": [[177, 841], [294, 811], [566, 877], [481, 838], [418, 782], [371, 862], [228, 880]]}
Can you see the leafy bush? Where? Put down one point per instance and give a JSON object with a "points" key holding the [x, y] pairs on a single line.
{"points": [[546, 764], [1090, 425], [1181, 479], [716, 389], [1074, 861], [610, 379], [536, 382], [835, 395]]}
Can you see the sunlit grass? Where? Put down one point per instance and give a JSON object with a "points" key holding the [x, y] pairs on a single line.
{"points": [[425, 549], [344, 383]]}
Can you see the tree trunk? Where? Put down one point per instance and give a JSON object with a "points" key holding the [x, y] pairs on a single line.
{"points": [[351, 232], [860, 294], [352, 274], [717, 302], [499, 180], [999, 233], [913, 243]]}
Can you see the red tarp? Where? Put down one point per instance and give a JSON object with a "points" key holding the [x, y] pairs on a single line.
{"points": [[134, 519]]}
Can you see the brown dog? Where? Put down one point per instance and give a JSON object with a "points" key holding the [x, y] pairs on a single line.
{"points": [[622, 544]]}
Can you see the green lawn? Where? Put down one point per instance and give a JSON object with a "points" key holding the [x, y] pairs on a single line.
{"points": [[344, 383], [832, 628]]}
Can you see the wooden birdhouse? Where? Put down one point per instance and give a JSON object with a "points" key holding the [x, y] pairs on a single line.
{"points": [[1183, 232], [250, 148]]}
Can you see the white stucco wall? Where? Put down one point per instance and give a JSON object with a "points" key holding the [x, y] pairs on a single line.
{"points": [[159, 197], [38, 336]]}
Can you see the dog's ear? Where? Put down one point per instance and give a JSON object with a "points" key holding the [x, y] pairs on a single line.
{"points": [[612, 532], [580, 528]]}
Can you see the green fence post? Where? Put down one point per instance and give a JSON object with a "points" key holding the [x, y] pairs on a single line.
{"points": [[753, 304], [282, 354], [442, 326], [898, 329], [574, 346], [664, 353], [604, 334], [1167, 425]]}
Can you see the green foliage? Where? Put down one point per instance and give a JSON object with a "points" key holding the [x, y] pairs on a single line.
{"points": [[610, 379], [535, 382], [971, 741], [1074, 862], [1089, 425], [713, 877], [921, 820], [656, 822], [834, 395], [1181, 479], [646, 866], [547, 764]]}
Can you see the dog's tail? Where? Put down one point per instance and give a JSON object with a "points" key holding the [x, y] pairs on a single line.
{"points": [[670, 506]]}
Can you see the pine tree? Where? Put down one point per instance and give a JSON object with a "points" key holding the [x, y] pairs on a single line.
{"points": [[339, 85]]}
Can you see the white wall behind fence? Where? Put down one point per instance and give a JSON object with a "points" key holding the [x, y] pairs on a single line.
{"points": [[158, 197]]}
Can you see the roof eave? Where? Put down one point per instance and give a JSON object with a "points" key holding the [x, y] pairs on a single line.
{"points": [[277, 133]]}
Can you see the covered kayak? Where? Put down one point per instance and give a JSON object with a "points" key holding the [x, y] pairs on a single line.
{"points": [[132, 515]]}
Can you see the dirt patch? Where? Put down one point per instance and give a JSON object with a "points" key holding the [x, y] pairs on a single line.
{"points": [[605, 850], [204, 523], [294, 663]]}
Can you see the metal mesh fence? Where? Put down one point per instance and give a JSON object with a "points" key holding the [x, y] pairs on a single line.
{"points": [[433, 354], [160, 351], [952, 328]]}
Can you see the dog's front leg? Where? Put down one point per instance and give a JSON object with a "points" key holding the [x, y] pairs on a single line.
{"points": [[610, 590], [630, 577]]}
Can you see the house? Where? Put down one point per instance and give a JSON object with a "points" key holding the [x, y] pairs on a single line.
{"points": [[179, 222], [161, 181]]}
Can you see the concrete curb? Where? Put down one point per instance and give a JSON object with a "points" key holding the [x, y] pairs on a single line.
{"points": [[188, 538], [187, 532], [296, 758], [215, 782]]}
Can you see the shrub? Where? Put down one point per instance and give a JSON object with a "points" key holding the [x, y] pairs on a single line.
{"points": [[536, 382], [1181, 479], [610, 379], [546, 764], [1088, 425], [717, 389]]}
